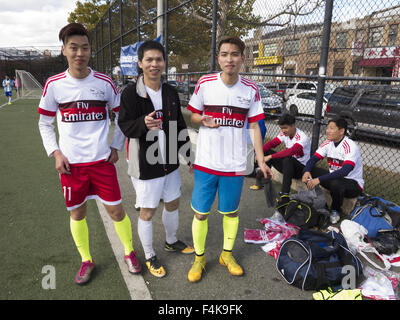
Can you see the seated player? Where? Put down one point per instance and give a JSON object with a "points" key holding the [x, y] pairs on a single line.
{"points": [[345, 175], [291, 161]]}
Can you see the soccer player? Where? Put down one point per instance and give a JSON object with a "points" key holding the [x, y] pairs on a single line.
{"points": [[80, 99], [222, 104], [291, 161], [345, 175], [7, 84], [151, 117]]}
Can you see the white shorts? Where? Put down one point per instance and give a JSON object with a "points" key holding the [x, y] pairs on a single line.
{"points": [[149, 192]]}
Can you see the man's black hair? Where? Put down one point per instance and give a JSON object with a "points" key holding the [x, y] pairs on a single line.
{"points": [[340, 122], [149, 45], [287, 119]]}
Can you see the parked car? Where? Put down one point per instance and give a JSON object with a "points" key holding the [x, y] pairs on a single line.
{"points": [[374, 108], [304, 103], [297, 87], [272, 103], [276, 87]]}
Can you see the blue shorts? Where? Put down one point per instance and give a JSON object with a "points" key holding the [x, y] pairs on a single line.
{"points": [[205, 188], [8, 93]]}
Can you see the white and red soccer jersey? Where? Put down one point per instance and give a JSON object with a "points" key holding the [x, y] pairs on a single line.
{"points": [[346, 152], [81, 107], [299, 138], [223, 150]]}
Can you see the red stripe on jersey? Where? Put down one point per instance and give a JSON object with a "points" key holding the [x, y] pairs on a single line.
{"points": [[334, 163], [318, 155], [203, 80], [46, 112], [193, 109], [350, 163], [232, 116], [107, 79], [218, 173], [256, 118], [52, 79], [83, 111], [251, 84], [346, 147], [116, 109], [325, 143]]}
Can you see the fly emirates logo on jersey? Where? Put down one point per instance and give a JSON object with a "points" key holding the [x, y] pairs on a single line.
{"points": [[227, 116], [80, 111]]}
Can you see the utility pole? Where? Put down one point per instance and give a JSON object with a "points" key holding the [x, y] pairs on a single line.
{"points": [[160, 19], [214, 36]]}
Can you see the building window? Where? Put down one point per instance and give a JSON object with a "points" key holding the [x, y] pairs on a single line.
{"points": [[291, 47], [290, 71], [255, 51], [314, 44], [341, 40], [355, 69], [392, 37], [359, 35], [270, 49], [338, 68], [247, 52], [375, 36]]}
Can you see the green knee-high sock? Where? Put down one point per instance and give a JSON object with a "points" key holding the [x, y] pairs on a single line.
{"points": [[124, 231], [199, 233], [80, 234], [230, 226]]}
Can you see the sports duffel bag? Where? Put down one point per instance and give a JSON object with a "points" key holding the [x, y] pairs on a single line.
{"points": [[314, 260], [374, 214]]}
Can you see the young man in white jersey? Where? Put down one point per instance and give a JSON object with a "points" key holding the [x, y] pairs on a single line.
{"points": [[80, 99], [345, 175], [151, 117], [290, 161], [222, 104], [7, 84]]}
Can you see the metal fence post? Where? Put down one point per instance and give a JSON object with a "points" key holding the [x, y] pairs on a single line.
{"points": [[214, 35], [109, 38], [138, 20], [326, 31], [166, 37]]}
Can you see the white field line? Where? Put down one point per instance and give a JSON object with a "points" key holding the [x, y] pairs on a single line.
{"points": [[136, 285]]}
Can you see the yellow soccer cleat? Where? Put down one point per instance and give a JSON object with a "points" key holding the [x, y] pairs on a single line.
{"points": [[155, 267], [227, 260], [196, 270], [179, 246], [255, 187]]}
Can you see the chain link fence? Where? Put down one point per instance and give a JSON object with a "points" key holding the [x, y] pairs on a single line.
{"points": [[315, 59]]}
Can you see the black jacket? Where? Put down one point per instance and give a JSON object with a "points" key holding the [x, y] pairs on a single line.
{"points": [[135, 105]]}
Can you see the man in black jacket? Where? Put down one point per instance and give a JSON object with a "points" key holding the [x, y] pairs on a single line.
{"points": [[150, 115]]}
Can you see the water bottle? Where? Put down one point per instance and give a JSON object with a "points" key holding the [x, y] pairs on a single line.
{"points": [[334, 217]]}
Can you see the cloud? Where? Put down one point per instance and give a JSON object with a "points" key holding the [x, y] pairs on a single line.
{"points": [[32, 23]]}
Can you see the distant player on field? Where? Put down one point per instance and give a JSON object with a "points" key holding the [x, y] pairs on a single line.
{"points": [[7, 84], [222, 104], [80, 98]]}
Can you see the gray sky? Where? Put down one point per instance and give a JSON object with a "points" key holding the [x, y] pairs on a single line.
{"points": [[37, 22], [33, 22]]}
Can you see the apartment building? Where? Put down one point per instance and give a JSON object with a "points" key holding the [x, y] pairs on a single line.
{"points": [[369, 46]]}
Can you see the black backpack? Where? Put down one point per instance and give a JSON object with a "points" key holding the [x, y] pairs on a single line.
{"points": [[314, 260], [301, 214]]}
